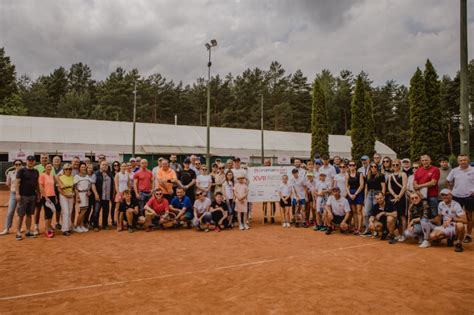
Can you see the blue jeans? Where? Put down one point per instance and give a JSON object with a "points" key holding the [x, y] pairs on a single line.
{"points": [[369, 203], [143, 198], [433, 202], [11, 211]]}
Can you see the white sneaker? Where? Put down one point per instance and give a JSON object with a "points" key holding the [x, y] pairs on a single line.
{"points": [[84, 229], [77, 229], [4, 232], [283, 225], [247, 227], [402, 238], [241, 227], [425, 244]]}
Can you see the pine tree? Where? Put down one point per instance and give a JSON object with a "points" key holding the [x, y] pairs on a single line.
{"points": [[358, 121], [7, 76], [434, 139], [419, 118], [319, 122], [369, 125]]}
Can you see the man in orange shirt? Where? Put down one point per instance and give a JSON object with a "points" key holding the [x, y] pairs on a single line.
{"points": [[165, 178]]}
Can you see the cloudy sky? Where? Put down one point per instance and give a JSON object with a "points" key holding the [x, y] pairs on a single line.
{"points": [[386, 38]]}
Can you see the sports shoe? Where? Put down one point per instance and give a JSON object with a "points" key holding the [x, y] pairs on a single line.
{"points": [[316, 228], [49, 234], [206, 230], [217, 229], [58, 226], [18, 237], [241, 227], [106, 228], [246, 227], [4, 232], [425, 244], [130, 230], [29, 234], [77, 229], [36, 233], [458, 248], [468, 239], [96, 229], [402, 238], [366, 233], [67, 233], [283, 224], [323, 228], [288, 225], [84, 229], [392, 240], [383, 237], [329, 231]]}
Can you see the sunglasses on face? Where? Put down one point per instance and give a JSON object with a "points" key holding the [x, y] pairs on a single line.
{"points": [[373, 166], [414, 198], [352, 165], [116, 165], [68, 169], [343, 166], [198, 194], [158, 194], [17, 164], [221, 168], [386, 161]]}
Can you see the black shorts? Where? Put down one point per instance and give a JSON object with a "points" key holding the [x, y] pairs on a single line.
{"points": [[284, 203], [401, 207], [217, 216], [48, 212], [337, 219], [467, 203]]}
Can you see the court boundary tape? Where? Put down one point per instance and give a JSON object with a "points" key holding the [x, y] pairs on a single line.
{"points": [[109, 284]]}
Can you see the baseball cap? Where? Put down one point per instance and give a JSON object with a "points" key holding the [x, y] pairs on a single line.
{"points": [[318, 161], [364, 158], [336, 188], [445, 191], [237, 159], [322, 174], [30, 158], [406, 160]]}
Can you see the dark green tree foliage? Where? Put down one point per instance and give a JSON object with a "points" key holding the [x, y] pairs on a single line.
{"points": [[369, 126], [341, 121], [358, 121], [299, 103], [7, 76], [319, 122], [434, 139], [419, 118]]}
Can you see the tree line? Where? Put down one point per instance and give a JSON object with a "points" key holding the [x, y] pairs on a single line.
{"points": [[404, 118]]}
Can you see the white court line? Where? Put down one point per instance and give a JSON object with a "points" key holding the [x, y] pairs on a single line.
{"points": [[101, 285]]}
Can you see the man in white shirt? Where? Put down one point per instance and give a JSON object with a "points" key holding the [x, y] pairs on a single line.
{"points": [[461, 181], [453, 217], [327, 169], [337, 211]]}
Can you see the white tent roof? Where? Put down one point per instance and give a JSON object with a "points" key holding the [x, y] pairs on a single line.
{"points": [[40, 134]]}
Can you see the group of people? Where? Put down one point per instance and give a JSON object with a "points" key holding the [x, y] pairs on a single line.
{"points": [[384, 198], [389, 199]]}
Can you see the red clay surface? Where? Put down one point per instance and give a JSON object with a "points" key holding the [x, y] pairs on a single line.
{"points": [[267, 269]]}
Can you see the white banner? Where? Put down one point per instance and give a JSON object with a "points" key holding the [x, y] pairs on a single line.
{"points": [[264, 182], [19, 155], [109, 156], [284, 160], [69, 155]]}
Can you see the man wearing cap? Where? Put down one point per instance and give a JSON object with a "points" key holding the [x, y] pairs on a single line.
{"points": [[406, 166], [188, 180], [133, 164], [461, 181], [444, 170], [337, 211], [328, 169], [297, 184], [238, 170], [364, 169], [26, 194], [453, 219]]}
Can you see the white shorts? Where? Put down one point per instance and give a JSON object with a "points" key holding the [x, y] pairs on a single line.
{"points": [[449, 231], [84, 200]]}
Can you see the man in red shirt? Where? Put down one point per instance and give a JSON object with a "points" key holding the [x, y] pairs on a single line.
{"points": [[142, 184], [155, 208], [426, 179]]}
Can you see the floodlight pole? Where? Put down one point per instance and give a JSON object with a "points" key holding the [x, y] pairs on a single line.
{"points": [[134, 117], [209, 46], [464, 126], [261, 125]]}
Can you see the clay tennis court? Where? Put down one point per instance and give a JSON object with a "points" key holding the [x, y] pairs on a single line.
{"points": [[267, 269]]}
